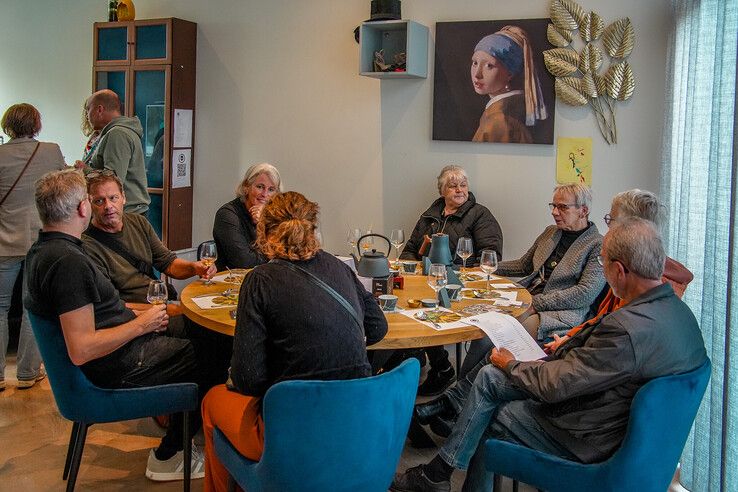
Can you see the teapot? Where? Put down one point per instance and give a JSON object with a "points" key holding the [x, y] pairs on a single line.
{"points": [[373, 263]]}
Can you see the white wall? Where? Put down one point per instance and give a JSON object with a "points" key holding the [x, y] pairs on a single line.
{"points": [[277, 81]]}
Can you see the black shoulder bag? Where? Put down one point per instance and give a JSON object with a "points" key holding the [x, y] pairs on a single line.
{"points": [[142, 266]]}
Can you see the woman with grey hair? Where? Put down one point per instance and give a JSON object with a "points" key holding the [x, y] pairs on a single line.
{"points": [[561, 270], [234, 229], [456, 213]]}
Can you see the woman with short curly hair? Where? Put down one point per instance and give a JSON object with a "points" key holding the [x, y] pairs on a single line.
{"points": [[287, 327]]}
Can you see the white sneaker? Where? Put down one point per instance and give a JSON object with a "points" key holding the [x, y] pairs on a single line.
{"points": [[30, 383], [173, 468]]}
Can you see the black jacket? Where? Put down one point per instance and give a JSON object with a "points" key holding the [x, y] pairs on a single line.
{"points": [[287, 328], [234, 233], [470, 220]]}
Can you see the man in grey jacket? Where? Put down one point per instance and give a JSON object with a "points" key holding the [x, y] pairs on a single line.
{"points": [[119, 148], [576, 405]]}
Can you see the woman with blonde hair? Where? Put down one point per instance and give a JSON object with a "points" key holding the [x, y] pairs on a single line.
{"points": [[234, 228], [502, 68], [288, 327]]}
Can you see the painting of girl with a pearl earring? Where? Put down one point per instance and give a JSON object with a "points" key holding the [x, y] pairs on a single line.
{"points": [[509, 86]]}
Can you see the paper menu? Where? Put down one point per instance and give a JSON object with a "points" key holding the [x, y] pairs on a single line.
{"points": [[507, 332]]}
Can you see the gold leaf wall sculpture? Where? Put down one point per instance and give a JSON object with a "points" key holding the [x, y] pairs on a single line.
{"points": [[578, 78]]}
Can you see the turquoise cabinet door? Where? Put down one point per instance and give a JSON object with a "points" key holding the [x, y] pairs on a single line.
{"points": [[115, 80], [151, 42], [150, 87], [155, 213], [112, 44]]}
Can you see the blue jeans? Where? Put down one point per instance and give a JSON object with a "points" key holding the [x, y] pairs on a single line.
{"points": [[29, 358], [494, 408]]}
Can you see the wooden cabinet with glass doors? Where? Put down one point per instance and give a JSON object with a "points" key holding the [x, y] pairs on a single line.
{"points": [[151, 65]]}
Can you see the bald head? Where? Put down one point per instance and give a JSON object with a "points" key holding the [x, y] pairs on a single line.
{"points": [[102, 106]]}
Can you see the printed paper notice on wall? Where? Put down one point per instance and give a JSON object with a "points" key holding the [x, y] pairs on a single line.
{"points": [[182, 128], [574, 160], [181, 159]]}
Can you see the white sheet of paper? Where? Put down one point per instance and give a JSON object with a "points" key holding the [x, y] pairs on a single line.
{"points": [[181, 159], [410, 313], [503, 286], [206, 302], [507, 332], [505, 302], [182, 128], [506, 295]]}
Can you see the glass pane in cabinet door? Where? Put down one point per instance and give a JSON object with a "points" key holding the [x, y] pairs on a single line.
{"points": [[151, 42], [149, 107], [115, 81], [155, 213], [112, 43]]}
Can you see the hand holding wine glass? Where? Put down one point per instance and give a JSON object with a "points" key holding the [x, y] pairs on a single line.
{"points": [[208, 253], [488, 263], [464, 248], [437, 279], [397, 238]]}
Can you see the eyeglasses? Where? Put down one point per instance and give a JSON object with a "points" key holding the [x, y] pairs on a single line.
{"points": [[101, 172], [607, 218], [563, 207], [601, 261]]}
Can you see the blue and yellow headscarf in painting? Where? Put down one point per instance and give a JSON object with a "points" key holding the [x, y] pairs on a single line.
{"points": [[511, 47]]}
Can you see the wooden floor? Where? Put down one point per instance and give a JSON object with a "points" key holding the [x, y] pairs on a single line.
{"points": [[34, 439]]}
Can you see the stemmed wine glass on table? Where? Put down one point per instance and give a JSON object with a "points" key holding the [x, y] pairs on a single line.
{"points": [[488, 263], [352, 238], [397, 238], [437, 279], [208, 253], [464, 248], [157, 293], [367, 242]]}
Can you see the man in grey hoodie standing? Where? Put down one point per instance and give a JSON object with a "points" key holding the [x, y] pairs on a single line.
{"points": [[120, 148]]}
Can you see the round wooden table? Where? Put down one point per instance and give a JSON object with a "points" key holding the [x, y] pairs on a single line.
{"points": [[403, 331]]}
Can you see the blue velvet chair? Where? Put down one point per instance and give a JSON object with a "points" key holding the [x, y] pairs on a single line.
{"points": [[329, 435], [85, 404], [661, 417]]}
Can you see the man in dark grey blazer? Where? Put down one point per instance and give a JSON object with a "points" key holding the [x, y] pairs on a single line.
{"points": [[576, 405]]}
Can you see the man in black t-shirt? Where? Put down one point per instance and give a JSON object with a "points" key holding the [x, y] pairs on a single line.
{"points": [[114, 346]]}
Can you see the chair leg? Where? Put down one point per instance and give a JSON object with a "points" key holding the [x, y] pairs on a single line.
{"points": [[231, 484], [187, 450], [70, 449], [458, 360], [497, 483], [77, 455], [515, 486]]}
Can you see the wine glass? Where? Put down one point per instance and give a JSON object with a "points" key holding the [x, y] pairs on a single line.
{"points": [[437, 279], [352, 238], [367, 242], [208, 253], [464, 248], [157, 293], [488, 263], [397, 238]]}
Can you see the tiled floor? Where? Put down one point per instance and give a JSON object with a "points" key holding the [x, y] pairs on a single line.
{"points": [[34, 438]]}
